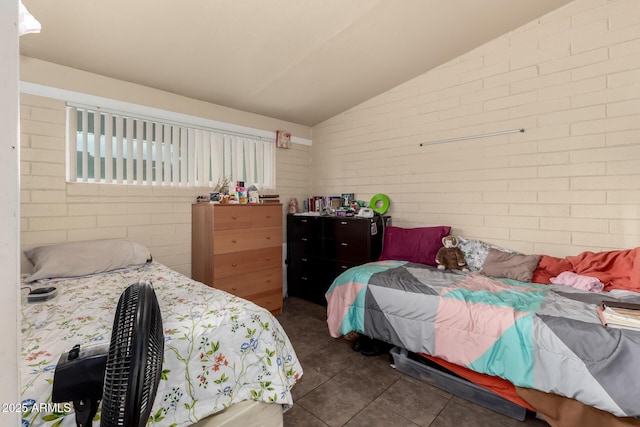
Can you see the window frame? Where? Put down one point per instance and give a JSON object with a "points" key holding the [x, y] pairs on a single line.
{"points": [[247, 158]]}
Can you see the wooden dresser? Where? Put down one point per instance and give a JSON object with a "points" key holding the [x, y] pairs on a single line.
{"points": [[238, 249]]}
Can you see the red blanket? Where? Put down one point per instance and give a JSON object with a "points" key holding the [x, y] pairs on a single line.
{"points": [[615, 269], [497, 385]]}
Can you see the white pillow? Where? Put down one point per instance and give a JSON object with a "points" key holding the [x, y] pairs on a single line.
{"points": [[83, 258]]}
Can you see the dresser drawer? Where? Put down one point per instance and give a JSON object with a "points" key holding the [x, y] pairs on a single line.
{"points": [[266, 215], [231, 217], [244, 285], [228, 217], [225, 241], [271, 301], [233, 263]]}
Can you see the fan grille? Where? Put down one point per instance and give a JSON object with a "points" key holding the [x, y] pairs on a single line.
{"points": [[134, 363]]}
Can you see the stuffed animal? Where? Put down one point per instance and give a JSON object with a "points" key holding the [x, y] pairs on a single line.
{"points": [[293, 206], [450, 256]]}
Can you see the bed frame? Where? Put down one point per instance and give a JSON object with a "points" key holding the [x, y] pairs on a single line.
{"points": [[248, 414]]}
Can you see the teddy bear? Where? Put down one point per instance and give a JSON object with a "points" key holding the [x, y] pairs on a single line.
{"points": [[293, 206], [450, 256]]}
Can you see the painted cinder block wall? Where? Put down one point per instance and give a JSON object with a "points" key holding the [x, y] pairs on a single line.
{"points": [[570, 183], [54, 211]]}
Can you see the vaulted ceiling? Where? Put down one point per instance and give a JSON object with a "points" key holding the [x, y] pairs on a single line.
{"points": [[303, 61]]}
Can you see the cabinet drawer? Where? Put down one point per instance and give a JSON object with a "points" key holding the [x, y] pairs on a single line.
{"points": [[350, 229], [304, 261], [227, 217], [303, 246], [225, 241], [341, 267], [304, 269], [355, 251], [305, 226], [244, 285], [234, 263], [310, 283], [352, 250], [266, 215]]}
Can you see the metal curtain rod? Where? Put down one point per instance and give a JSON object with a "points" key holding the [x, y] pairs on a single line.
{"points": [[462, 138]]}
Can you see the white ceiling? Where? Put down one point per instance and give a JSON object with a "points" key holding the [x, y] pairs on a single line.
{"points": [[303, 61]]}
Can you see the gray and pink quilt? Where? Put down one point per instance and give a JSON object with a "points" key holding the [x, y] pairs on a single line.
{"points": [[549, 338]]}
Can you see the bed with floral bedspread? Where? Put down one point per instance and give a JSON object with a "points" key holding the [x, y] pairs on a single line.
{"points": [[219, 349]]}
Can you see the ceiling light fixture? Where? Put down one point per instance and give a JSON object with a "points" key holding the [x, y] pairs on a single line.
{"points": [[27, 24]]}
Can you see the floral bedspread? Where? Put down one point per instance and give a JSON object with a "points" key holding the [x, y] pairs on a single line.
{"points": [[219, 349]]}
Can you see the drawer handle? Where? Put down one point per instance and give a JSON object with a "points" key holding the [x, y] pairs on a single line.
{"points": [[344, 244], [268, 216], [268, 237], [268, 258], [344, 267], [303, 278], [233, 264], [304, 220], [234, 288], [343, 222], [234, 217], [303, 259], [268, 301], [233, 241], [304, 239], [268, 280]]}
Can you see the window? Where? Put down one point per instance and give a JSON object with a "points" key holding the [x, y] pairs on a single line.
{"points": [[113, 147]]}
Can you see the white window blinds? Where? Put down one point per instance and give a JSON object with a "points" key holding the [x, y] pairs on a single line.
{"points": [[110, 147]]}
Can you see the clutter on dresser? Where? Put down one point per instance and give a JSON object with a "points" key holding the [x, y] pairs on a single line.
{"points": [[253, 194], [226, 193], [222, 186], [292, 207], [345, 206], [380, 203], [269, 198]]}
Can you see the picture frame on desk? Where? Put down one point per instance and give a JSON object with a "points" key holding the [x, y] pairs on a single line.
{"points": [[347, 198], [336, 202]]}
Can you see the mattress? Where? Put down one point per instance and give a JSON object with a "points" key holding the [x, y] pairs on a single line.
{"points": [[547, 338], [219, 349]]}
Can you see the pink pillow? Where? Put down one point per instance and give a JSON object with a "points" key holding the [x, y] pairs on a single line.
{"points": [[418, 245]]}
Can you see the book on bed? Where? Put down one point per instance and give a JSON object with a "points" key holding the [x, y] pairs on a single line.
{"points": [[620, 314]]}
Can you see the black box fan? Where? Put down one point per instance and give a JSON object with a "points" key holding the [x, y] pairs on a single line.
{"points": [[125, 375]]}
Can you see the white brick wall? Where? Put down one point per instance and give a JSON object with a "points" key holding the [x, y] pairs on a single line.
{"points": [[570, 183], [54, 211]]}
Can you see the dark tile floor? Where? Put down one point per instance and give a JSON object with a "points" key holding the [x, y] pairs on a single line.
{"points": [[340, 387]]}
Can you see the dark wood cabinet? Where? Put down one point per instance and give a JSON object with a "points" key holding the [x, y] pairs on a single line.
{"points": [[319, 248]]}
